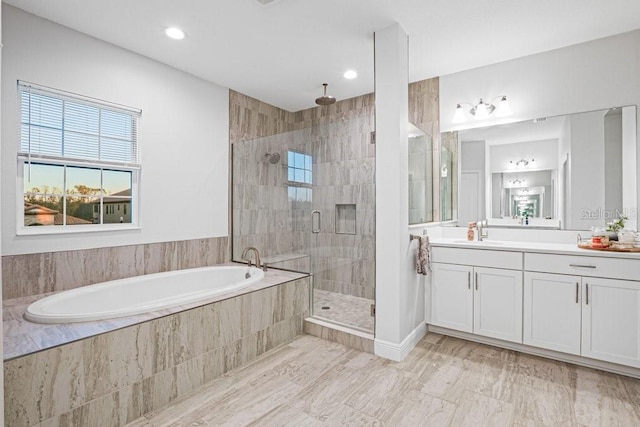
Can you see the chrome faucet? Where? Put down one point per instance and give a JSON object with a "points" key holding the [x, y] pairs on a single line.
{"points": [[482, 229], [256, 255]]}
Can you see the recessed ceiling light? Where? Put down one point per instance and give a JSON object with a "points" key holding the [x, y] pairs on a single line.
{"points": [[174, 33], [350, 74]]}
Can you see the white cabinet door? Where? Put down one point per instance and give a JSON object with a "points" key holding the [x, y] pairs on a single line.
{"points": [[497, 303], [611, 320], [452, 297], [552, 304]]}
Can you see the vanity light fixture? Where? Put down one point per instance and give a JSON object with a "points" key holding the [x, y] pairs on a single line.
{"points": [[516, 181], [174, 33], [522, 163], [482, 110]]}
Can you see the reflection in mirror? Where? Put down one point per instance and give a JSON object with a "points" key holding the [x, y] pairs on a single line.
{"points": [[572, 172], [420, 176], [448, 176]]}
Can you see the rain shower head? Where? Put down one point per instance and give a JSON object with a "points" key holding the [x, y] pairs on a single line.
{"points": [[272, 157], [325, 99]]}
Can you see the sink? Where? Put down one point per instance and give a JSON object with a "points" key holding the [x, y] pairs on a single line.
{"points": [[475, 242]]}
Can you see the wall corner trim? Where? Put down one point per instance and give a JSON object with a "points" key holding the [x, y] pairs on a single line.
{"points": [[397, 352]]}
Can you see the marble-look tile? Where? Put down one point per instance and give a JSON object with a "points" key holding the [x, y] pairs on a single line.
{"points": [[193, 333], [101, 412], [159, 390], [198, 371], [345, 338], [195, 253], [546, 403], [117, 359], [371, 397], [346, 415], [58, 386], [479, 410], [414, 408], [159, 257], [80, 268], [18, 345], [28, 274], [287, 416]]}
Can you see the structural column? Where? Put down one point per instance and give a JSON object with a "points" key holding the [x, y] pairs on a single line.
{"points": [[393, 317]]}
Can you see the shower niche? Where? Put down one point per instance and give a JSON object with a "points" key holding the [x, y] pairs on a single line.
{"points": [[346, 219]]}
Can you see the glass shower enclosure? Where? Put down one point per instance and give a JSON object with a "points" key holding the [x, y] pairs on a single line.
{"points": [[304, 195]]}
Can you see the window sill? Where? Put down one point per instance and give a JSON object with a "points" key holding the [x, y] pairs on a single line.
{"points": [[74, 229]]}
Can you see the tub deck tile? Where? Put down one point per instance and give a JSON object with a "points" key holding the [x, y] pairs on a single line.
{"points": [[22, 337]]}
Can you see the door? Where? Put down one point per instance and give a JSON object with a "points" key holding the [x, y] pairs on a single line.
{"points": [[552, 307], [497, 303], [611, 320], [452, 297]]}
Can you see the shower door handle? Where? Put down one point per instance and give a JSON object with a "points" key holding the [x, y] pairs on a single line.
{"points": [[315, 230]]}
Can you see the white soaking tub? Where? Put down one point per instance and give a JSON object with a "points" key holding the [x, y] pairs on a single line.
{"points": [[141, 294]]}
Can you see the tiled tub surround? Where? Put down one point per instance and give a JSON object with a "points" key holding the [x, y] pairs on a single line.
{"points": [[39, 273], [117, 376]]}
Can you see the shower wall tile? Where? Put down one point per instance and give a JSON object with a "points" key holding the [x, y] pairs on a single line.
{"points": [[119, 376], [34, 274]]}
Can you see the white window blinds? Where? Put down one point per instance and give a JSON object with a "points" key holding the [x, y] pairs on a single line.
{"points": [[60, 125]]}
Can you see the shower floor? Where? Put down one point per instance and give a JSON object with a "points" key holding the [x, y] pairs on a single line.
{"points": [[344, 309]]}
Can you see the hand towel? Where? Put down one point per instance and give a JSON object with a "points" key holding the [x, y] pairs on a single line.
{"points": [[423, 257]]}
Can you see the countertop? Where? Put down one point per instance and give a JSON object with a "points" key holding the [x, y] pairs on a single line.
{"points": [[530, 247]]}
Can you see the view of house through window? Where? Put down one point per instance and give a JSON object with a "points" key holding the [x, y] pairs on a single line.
{"points": [[79, 160], [69, 195]]}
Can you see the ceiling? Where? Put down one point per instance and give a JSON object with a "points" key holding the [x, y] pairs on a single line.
{"points": [[283, 52]]}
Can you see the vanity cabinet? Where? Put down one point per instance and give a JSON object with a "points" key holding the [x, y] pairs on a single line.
{"points": [[552, 311], [477, 297], [584, 315]]}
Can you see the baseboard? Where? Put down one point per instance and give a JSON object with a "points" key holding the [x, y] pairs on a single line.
{"points": [[397, 352]]}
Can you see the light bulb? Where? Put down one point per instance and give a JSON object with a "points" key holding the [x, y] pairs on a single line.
{"points": [[503, 108], [458, 116], [481, 111]]}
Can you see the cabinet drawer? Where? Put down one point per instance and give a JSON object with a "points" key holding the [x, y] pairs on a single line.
{"points": [[478, 257], [615, 268]]}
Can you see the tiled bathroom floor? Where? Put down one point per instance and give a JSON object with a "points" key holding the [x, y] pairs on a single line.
{"points": [[344, 309], [443, 382]]}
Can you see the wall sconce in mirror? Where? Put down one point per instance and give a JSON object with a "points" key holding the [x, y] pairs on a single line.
{"points": [[522, 163], [482, 110], [516, 181]]}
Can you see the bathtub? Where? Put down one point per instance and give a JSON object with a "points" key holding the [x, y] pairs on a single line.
{"points": [[141, 294]]}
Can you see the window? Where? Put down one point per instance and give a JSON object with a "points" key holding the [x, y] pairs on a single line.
{"points": [[79, 158], [300, 176]]}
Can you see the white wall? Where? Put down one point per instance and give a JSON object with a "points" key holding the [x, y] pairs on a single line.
{"points": [[183, 132]]}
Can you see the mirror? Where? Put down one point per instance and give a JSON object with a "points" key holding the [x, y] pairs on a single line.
{"points": [[420, 176], [566, 172]]}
